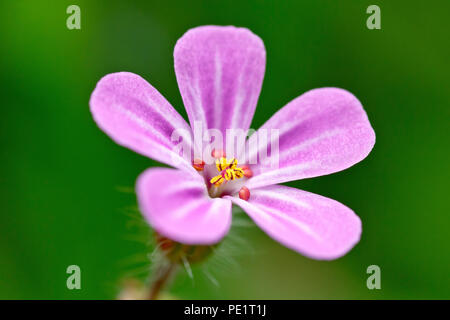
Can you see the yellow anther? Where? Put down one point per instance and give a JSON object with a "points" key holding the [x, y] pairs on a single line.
{"points": [[229, 174], [239, 172], [217, 180], [228, 171], [222, 164], [233, 164]]}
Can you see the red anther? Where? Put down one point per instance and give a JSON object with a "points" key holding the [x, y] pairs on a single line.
{"points": [[244, 193], [248, 173], [198, 164], [218, 154]]}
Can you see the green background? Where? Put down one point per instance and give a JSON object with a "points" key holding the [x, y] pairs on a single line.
{"points": [[66, 188]]}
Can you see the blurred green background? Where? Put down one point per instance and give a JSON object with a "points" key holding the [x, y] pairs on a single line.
{"points": [[65, 186]]}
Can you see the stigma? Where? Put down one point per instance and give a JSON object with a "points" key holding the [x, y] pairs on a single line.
{"points": [[228, 170]]}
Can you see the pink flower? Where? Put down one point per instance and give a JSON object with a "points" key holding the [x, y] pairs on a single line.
{"points": [[220, 72]]}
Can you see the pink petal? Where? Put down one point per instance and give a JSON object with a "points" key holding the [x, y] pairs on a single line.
{"points": [[135, 115], [321, 132], [315, 226], [220, 72], [176, 205]]}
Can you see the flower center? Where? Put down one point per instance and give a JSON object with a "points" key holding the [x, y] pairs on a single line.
{"points": [[227, 181], [228, 170]]}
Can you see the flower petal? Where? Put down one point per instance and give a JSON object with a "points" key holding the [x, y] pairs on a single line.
{"points": [[315, 226], [220, 72], [176, 205], [135, 115], [321, 132]]}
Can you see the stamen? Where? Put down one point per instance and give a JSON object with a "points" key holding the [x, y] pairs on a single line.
{"points": [[217, 180], [198, 164], [228, 171], [221, 164], [244, 193], [239, 172], [248, 173], [233, 163], [218, 154]]}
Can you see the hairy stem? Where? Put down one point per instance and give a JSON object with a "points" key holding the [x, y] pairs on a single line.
{"points": [[163, 274]]}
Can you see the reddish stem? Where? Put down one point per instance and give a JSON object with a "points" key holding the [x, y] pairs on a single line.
{"points": [[163, 276]]}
